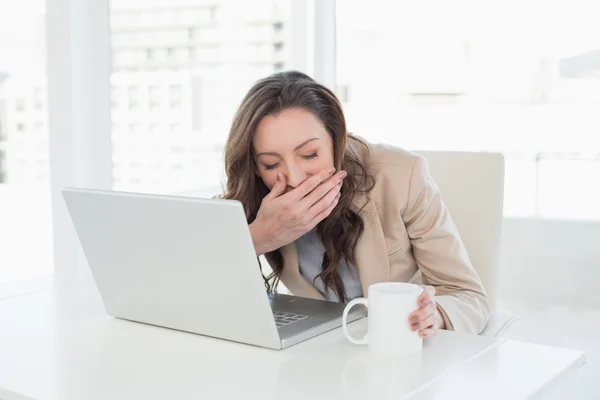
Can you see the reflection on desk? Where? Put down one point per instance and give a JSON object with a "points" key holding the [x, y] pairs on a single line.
{"points": [[60, 344]]}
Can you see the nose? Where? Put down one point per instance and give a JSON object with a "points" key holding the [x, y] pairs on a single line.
{"points": [[295, 175]]}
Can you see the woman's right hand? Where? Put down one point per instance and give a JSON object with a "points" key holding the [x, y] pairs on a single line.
{"points": [[284, 217]]}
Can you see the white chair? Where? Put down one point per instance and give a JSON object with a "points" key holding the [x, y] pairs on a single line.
{"points": [[472, 187]]}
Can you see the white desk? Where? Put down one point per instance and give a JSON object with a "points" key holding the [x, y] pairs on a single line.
{"points": [[60, 344], [25, 287]]}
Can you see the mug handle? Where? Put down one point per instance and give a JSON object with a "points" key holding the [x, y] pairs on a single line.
{"points": [[354, 302]]}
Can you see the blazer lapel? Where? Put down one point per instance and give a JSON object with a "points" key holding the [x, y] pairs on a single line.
{"points": [[371, 254], [291, 277]]}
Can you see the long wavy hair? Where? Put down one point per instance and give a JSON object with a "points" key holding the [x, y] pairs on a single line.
{"points": [[341, 231]]}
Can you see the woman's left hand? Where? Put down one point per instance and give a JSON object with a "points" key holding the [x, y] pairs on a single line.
{"points": [[427, 319]]}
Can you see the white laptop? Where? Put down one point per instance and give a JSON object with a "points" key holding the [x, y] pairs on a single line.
{"points": [[189, 264]]}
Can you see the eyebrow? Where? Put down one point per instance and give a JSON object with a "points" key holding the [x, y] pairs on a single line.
{"points": [[273, 153]]}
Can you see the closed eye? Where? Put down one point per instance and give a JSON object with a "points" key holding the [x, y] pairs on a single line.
{"points": [[308, 157]]}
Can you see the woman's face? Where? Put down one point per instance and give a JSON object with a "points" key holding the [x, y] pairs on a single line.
{"points": [[294, 143]]}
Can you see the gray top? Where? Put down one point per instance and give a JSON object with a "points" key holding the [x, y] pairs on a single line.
{"points": [[310, 257]]}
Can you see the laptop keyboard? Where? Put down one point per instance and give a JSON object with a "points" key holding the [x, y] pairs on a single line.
{"points": [[285, 318]]}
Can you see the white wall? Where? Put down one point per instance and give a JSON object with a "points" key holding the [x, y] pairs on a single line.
{"points": [[551, 262]]}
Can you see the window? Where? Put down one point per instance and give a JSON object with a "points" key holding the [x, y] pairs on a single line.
{"points": [[114, 97], [2, 125], [175, 96], [37, 94], [2, 166], [20, 105], [154, 97], [193, 89], [134, 97], [38, 100], [156, 129], [463, 81], [136, 128], [196, 104], [24, 193], [176, 129]]}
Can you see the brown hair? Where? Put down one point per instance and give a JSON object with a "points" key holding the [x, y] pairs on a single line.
{"points": [[342, 229]]}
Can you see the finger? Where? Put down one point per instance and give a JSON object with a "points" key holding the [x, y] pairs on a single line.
{"points": [[310, 184], [421, 314], [428, 333], [428, 322], [323, 203], [325, 213], [427, 295], [278, 189], [423, 299], [320, 198], [333, 184]]}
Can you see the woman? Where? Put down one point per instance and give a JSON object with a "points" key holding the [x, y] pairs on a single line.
{"points": [[334, 214]]}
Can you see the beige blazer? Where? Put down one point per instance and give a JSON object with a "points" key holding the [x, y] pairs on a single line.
{"points": [[408, 230]]}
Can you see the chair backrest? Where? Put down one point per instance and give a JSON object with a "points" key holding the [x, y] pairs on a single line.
{"points": [[472, 187]]}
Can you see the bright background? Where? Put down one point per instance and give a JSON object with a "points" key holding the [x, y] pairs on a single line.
{"points": [[138, 96]]}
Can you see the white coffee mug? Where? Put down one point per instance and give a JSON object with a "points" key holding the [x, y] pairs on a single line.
{"points": [[389, 305]]}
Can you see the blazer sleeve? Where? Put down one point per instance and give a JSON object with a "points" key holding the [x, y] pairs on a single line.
{"points": [[442, 257]]}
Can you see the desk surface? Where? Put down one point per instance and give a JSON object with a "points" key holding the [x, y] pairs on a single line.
{"points": [[60, 344]]}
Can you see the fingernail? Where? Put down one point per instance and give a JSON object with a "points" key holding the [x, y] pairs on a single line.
{"points": [[331, 171], [416, 326], [422, 333], [278, 177], [414, 320], [343, 174]]}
